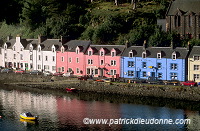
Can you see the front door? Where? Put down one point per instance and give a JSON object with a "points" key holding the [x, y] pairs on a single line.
{"points": [[138, 74], [153, 74]]}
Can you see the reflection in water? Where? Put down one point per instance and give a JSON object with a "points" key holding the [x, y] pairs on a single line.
{"points": [[64, 111]]}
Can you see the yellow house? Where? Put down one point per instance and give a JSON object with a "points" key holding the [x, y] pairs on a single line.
{"points": [[194, 64]]}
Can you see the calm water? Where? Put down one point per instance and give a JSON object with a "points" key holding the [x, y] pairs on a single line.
{"points": [[66, 111]]}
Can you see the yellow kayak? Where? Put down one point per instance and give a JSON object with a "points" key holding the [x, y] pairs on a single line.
{"points": [[28, 116]]}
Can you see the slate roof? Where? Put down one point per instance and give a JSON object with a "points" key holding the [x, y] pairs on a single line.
{"points": [[72, 44], [47, 44], [184, 6], [119, 49], [195, 51], [11, 42], [166, 52]]}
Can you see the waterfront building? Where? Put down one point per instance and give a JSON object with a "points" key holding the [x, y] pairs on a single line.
{"points": [[71, 58], [183, 17], [165, 63], [194, 64], [104, 60]]}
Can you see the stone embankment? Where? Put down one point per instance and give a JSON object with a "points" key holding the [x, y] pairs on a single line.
{"points": [[60, 83]]}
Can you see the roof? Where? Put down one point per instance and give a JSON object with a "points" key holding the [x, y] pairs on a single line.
{"points": [[11, 42], [195, 51], [47, 44], [72, 44], [119, 49], [166, 52], [184, 6]]}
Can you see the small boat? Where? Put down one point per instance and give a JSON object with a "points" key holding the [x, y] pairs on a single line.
{"points": [[28, 116], [71, 89]]}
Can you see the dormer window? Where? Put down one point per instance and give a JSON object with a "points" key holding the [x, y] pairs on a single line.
{"points": [[131, 54], [53, 49], [174, 56], [101, 53], [113, 53], [5, 47], [89, 53], [196, 58], [158, 55], [39, 49], [13, 48], [22, 48], [62, 50], [144, 54], [31, 49], [77, 50]]}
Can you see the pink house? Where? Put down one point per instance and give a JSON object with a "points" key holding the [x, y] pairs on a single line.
{"points": [[104, 60], [71, 58]]}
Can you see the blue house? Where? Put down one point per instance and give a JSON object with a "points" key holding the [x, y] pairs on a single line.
{"points": [[165, 63]]}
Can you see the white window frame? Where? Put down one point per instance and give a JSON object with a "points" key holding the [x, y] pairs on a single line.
{"points": [[113, 72], [77, 60], [130, 54], [89, 53], [159, 56], [113, 62], [144, 55], [70, 59], [113, 53], [196, 67], [62, 58], [174, 56]]}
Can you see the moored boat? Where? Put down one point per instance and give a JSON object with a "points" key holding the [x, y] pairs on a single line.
{"points": [[28, 116], [71, 89]]}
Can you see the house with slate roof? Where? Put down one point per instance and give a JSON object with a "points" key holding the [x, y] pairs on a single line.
{"points": [[104, 60], [194, 64], [165, 63], [183, 16], [71, 58]]}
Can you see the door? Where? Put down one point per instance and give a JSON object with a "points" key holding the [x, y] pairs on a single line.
{"points": [[138, 74], [153, 74]]}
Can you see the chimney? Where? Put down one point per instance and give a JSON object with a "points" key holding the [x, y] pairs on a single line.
{"points": [[127, 44], [41, 38], [172, 45], [188, 46], [64, 39], [18, 38], [9, 37], [144, 45]]}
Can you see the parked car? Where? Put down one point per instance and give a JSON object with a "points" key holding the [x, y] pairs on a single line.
{"points": [[83, 77], [188, 83], [67, 74], [138, 80], [35, 72], [154, 80], [47, 73], [172, 82], [6, 70], [106, 80], [20, 71], [58, 74]]}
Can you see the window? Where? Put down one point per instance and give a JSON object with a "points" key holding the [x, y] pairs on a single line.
{"points": [[39, 67], [62, 50], [144, 65], [196, 58], [159, 65], [174, 56], [159, 75], [14, 65], [173, 76], [62, 59], [88, 70], [130, 54], [144, 55], [190, 20], [5, 47], [101, 62], [144, 74], [196, 67], [63, 69], [46, 58], [70, 70], [174, 66], [39, 57], [96, 71], [113, 53], [130, 73], [101, 53], [130, 63], [158, 55], [89, 53], [13, 48], [31, 57], [14, 56], [21, 56], [70, 59], [53, 49], [196, 76], [53, 68], [39, 49], [31, 49], [77, 70], [31, 66], [5, 55], [113, 63], [77, 51], [90, 61], [53, 58], [21, 48], [21, 65], [112, 72], [46, 67], [77, 60], [177, 20]]}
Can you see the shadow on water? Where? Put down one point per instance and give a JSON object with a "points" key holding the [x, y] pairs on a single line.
{"points": [[112, 98]]}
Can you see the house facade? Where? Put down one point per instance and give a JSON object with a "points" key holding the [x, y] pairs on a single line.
{"points": [[165, 63], [194, 64], [104, 60], [183, 17], [71, 58]]}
